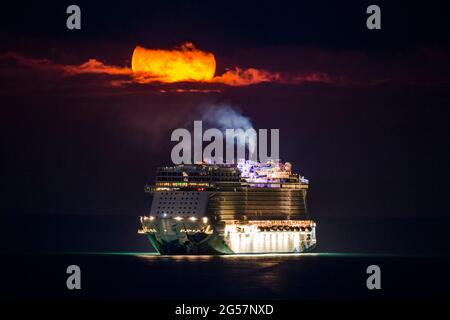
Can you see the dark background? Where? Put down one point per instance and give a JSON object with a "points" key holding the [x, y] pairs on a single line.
{"points": [[374, 145]]}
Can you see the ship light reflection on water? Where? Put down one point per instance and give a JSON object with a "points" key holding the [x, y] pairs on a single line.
{"points": [[180, 258], [156, 255]]}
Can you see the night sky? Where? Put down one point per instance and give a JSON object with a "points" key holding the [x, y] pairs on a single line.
{"points": [[372, 138]]}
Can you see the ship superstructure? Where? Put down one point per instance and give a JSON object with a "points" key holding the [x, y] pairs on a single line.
{"points": [[248, 207]]}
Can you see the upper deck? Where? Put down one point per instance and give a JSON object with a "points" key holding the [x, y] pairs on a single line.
{"points": [[246, 174]]}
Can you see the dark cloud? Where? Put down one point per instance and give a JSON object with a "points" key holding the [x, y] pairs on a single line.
{"points": [[423, 66]]}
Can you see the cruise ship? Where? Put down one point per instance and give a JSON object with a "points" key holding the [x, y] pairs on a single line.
{"points": [[242, 208]]}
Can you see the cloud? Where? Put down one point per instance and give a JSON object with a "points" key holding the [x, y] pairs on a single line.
{"points": [[188, 70], [95, 67], [45, 65], [244, 77], [157, 66]]}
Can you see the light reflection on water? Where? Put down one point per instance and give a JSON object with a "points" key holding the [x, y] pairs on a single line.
{"points": [[247, 276], [250, 255], [287, 256], [246, 270], [270, 274]]}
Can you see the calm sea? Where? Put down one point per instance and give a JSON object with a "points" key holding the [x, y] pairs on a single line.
{"points": [[116, 263]]}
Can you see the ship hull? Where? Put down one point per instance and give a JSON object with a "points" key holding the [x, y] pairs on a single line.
{"points": [[171, 237], [213, 246]]}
